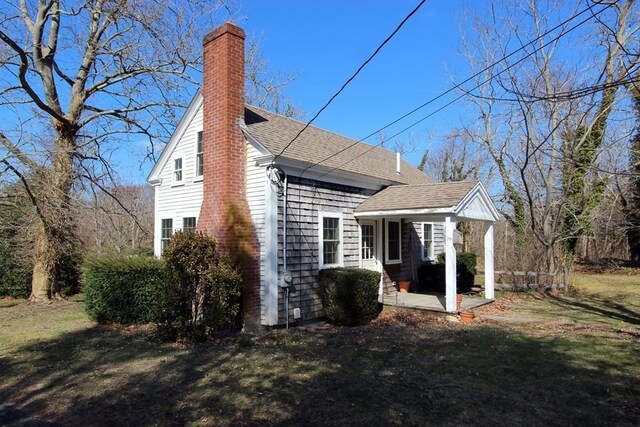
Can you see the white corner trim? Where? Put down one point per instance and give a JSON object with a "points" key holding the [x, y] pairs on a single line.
{"points": [[321, 216], [270, 283]]}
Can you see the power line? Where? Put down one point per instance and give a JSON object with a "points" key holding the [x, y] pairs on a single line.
{"points": [[351, 78], [455, 99], [563, 96], [458, 85]]}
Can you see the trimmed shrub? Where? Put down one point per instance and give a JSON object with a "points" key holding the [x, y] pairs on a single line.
{"points": [[201, 291], [469, 260], [349, 295], [432, 277], [121, 289]]}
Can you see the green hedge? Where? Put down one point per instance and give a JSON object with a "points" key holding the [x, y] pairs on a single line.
{"points": [[15, 271], [121, 289], [349, 295], [469, 259], [431, 277], [201, 291]]}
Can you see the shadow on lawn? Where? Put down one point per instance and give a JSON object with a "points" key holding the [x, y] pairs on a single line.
{"points": [[373, 375], [612, 308]]}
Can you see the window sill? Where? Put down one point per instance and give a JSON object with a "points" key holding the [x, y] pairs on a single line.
{"points": [[327, 266], [177, 184], [393, 262], [198, 179]]}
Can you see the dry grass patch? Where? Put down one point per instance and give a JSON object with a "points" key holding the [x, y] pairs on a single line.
{"points": [[402, 369]]}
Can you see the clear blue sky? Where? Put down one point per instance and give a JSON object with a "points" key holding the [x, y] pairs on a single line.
{"points": [[326, 41]]}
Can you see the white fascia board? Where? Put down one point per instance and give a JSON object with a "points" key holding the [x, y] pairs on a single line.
{"points": [[266, 154], [405, 213], [479, 191], [317, 173], [297, 168], [189, 114]]}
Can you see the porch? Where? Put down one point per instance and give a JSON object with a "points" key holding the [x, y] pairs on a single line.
{"points": [[431, 301], [388, 247]]}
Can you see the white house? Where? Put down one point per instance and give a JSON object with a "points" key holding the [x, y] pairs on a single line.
{"points": [[322, 202]]}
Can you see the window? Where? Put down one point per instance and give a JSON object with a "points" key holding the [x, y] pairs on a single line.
{"points": [[368, 241], [330, 239], [166, 231], [427, 241], [199, 156], [189, 223], [177, 171], [393, 252]]}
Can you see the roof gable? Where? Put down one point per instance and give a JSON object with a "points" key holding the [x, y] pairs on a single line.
{"points": [[187, 118], [464, 199], [272, 132]]}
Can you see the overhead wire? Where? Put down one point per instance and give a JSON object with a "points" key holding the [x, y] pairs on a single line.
{"points": [[456, 86], [364, 64]]}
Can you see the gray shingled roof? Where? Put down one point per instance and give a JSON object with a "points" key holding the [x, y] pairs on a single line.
{"points": [[274, 132], [434, 195]]}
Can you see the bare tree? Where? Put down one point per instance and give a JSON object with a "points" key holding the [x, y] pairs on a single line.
{"points": [[543, 114], [264, 88], [119, 220], [458, 158], [79, 77]]}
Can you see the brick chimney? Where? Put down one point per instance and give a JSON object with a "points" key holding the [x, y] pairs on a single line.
{"points": [[225, 211]]}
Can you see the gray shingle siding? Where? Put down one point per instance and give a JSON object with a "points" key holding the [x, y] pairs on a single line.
{"points": [[306, 198]]}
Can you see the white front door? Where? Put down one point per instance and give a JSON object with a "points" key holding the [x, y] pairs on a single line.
{"points": [[368, 245]]}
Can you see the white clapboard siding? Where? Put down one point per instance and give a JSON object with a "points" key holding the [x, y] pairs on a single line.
{"points": [[179, 201]]}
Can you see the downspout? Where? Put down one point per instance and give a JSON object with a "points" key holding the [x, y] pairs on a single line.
{"points": [[284, 230], [284, 250]]}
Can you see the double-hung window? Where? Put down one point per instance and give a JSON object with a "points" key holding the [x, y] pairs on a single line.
{"points": [[189, 223], [177, 171], [166, 231], [393, 243], [427, 241], [330, 239], [199, 156]]}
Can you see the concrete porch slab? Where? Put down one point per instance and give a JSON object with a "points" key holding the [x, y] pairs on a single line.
{"points": [[429, 302]]}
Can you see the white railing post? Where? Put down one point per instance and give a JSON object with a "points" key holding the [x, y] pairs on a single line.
{"points": [[450, 265], [489, 278]]}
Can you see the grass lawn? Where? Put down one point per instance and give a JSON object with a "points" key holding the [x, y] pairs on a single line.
{"points": [[575, 362]]}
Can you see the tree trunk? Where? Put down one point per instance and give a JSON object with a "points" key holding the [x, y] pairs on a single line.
{"points": [[53, 233], [44, 285]]}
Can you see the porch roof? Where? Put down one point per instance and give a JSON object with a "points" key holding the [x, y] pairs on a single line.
{"points": [[462, 199]]}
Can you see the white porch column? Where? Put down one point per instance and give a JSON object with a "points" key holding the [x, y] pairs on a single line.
{"points": [[489, 279], [450, 265]]}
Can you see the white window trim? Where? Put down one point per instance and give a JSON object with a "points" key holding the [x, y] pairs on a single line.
{"points": [[321, 217], [386, 242], [167, 239], [188, 216], [433, 228], [195, 163], [174, 170]]}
